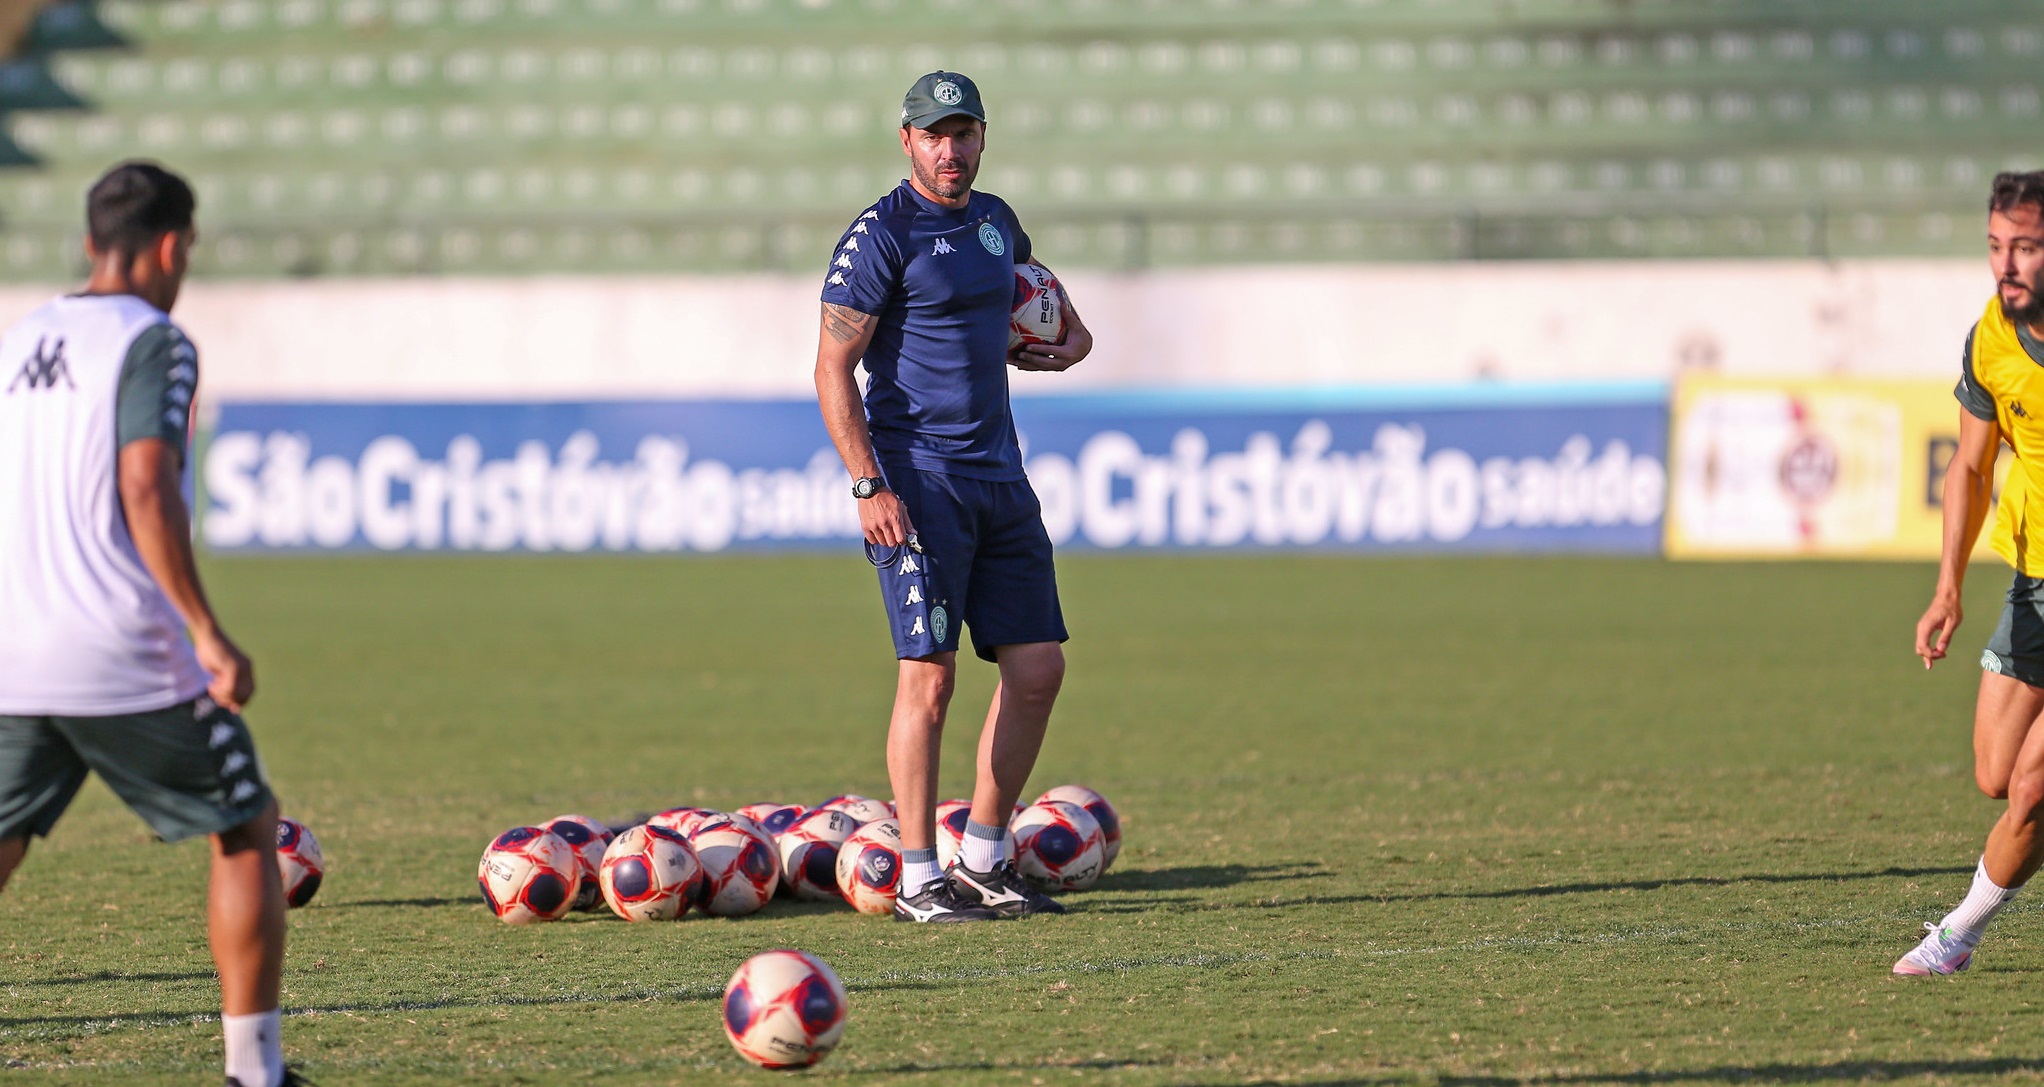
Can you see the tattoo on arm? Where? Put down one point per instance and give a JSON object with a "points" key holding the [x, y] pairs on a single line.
{"points": [[844, 323]]}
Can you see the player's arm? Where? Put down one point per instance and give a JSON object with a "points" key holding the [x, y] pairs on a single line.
{"points": [[840, 343], [161, 526], [1968, 494], [1066, 353]]}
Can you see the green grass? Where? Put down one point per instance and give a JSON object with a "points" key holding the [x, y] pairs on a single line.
{"points": [[1479, 821]]}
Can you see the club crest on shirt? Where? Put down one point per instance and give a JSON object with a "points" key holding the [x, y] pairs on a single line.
{"points": [[990, 237]]}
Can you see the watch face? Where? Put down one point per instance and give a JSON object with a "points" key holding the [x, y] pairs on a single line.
{"points": [[865, 488]]}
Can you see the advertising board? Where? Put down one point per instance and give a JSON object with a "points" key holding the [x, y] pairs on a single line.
{"points": [[1467, 469], [1817, 467]]}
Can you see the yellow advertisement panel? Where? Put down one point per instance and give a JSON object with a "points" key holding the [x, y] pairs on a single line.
{"points": [[1811, 467]]}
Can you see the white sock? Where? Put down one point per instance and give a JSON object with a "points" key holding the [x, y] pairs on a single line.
{"points": [[982, 848], [918, 873], [255, 1048], [1982, 902]]}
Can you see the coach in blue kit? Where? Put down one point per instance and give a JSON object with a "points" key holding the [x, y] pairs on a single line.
{"points": [[920, 288]]}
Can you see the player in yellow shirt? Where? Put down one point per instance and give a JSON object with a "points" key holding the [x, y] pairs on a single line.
{"points": [[2001, 393]]}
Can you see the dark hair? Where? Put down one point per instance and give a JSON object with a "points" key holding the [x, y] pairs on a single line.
{"points": [[2013, 190], [135, 204]]}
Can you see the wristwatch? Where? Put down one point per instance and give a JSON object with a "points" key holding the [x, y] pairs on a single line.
{"points": [[867, 488]]}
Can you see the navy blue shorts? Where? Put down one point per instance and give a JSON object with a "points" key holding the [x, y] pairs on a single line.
{"points": [[984, 563]]}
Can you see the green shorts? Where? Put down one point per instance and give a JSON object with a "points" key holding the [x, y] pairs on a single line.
{"points": [[187, 770], [2016, 648]]}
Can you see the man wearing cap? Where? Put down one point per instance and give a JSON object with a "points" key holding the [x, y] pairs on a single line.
{"points": [[920, 289]]}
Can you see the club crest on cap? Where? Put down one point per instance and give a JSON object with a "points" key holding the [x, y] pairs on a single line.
{"points": [[948, 93]]}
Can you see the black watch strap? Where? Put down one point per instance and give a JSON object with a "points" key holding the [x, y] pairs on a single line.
{"points": [[867, 487]]}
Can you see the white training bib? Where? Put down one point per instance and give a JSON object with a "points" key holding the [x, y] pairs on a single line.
{"points": [[84, 629]]}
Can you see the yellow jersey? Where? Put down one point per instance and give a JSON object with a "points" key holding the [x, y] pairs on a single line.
{"points": [[1999, 370]]}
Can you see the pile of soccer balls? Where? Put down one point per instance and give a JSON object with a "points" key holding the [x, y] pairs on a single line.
{"points": [[728, 864]]}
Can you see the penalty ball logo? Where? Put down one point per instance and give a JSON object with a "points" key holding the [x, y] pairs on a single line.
{"points": [[991, 238]]}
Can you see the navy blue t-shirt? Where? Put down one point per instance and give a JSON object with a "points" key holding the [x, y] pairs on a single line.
{"points": [[941, 282]]}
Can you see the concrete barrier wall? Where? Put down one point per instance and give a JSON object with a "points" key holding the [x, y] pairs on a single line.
{"points": [[1295, 325]]}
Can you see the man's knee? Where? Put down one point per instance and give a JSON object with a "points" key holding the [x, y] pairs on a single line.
{"points": [[1034, 673], [927, 684]]}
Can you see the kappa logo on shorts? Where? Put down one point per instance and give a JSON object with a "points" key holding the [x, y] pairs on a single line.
{"points": [[915, 596], [990, 236], [222, 735]]}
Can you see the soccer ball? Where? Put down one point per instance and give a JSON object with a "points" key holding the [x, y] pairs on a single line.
{"points": [[684, 820], [528, 874], [650, 873], [1058, 846], [1102, 813], [869, 866], [299, 860], [588, 838], [1038, 315], [809, 850], [784, 1009], [739, 867], [775, 818], [952, 815], [863, 808]]}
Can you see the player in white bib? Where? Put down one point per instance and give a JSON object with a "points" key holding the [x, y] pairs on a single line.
{"points": [[111, 659]]}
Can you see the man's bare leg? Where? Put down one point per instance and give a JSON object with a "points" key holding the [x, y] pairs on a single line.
{"points": [[2014, 846], [1031, 676], [2002, 717], [2008, 762], [915, 733], [245, 925], [11, 852]]}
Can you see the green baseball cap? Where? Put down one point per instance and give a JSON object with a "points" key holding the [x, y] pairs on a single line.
{"points": [[940, 95]]}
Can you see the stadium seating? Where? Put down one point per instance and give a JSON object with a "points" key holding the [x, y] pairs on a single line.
{"points": [[344, 137]]}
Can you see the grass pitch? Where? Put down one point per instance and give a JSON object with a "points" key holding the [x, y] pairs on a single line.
{"points": [[1474, 821]]}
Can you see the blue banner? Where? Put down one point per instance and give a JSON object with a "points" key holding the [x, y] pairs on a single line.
{"points": [[1483, 468]]}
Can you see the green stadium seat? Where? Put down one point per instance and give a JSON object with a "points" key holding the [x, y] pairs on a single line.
{"points": [[517, 134]]}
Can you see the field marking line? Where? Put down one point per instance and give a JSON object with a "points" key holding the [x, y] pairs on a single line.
{"points": [[887, 978]]}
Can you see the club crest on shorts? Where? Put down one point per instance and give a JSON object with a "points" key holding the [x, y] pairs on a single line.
{"points": [[990, 236], [940, 623], [1990, 662]]}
